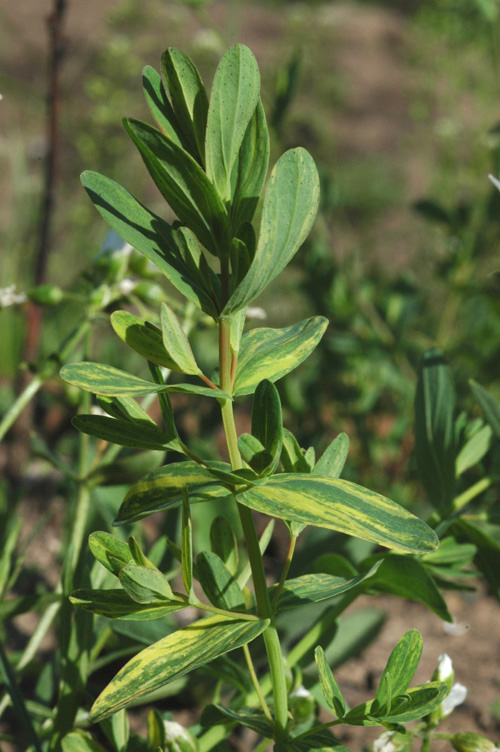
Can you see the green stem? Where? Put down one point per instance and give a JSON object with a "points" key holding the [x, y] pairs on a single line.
{"points": [[20, 403], [471, 493], [256, 685], [264, 608], [284, 574]]}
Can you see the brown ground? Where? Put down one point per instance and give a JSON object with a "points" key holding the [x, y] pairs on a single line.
{"points": [[368, 52]]}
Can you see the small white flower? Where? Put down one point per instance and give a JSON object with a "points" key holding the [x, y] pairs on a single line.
{"points": [[301, 692], [445, 667], [126, 286], [384, 743], [256, 312], [9, 297], [456, 697]]}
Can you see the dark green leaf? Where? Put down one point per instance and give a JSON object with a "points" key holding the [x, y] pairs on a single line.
{"points": [[189, 99], [187, 544], [184, 185], [146, 232], [489, 406], [159, 104], [217, 715], [267, 426], [137, 435], [312, 588], [218, 583], [143, 337], [224, 544], [434, 429], [292, 456]]}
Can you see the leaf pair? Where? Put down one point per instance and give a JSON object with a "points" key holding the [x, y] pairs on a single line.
{"points": [[394, 703]]}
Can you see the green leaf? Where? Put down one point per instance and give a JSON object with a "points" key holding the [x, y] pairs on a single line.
{"points": [[292, 456], [224, 544], [99, 378], [415, 704], [172, 657], [176, 343], [143, 337], [159, 104], [473, 450], [272, 353], [488, 405], [218, 583], [167, 412], [111, 552], [408, 578], [124, 433], [124, 408], [234, 97], [138, 554], [321, 740], [117, 604], [145, 585], [250, 169], [434, 429], [156, 731], [329, 687], [400, 668], [332, 461], [187, 545], [312, 588], [80, 741], [162, 489], [267, 426], [341, 505], [290, 206], [189, 99], [217, 715], [148, 233], [182, 183]]}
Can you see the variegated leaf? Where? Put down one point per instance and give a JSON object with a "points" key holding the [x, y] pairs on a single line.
{"points": [[172, 657]]}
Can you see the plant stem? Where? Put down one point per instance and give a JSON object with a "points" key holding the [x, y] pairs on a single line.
{"points": [[256, 685], [460, 501], [18, 406], [264, 608], [289, 556]]}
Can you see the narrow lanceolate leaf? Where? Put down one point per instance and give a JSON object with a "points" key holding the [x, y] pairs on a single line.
{"points": [[235, 93], [224, 544], [434, 429], [187, 544], [216, 715], [117, 604], [313, 588], [189, 99], [176, 343], [416, 703], [137, 435], [329, 686], [292, 456], [332, 461], [218, 583], [474, 449], [148, 233], [174, 656], [290, 206], [250, 169], [162, 489], [184, 185], [488, 405], [272, 353], [267, 425], [112, 382], [142, 336], [400, 668], [408, 578], [341, 505], [159, 104]]}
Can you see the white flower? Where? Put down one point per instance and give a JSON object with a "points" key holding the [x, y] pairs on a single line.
{"points": [[383, 743], [256, 312], [456, 697], [9, 297], [126, 286], [445, 667], [301, 692]]}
